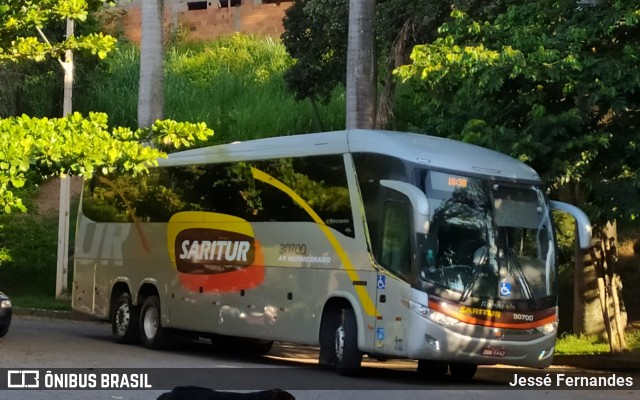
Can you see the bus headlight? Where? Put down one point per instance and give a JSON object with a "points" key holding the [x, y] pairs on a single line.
{"points": [[5, 303], [549, 328], [435, 316], [441, 319], [418, 308]]}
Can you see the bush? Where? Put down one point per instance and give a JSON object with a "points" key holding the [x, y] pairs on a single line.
{"points": [[28, 247]]}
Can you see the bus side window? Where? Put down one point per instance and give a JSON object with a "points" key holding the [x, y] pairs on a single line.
{"points": [[396, 240]]}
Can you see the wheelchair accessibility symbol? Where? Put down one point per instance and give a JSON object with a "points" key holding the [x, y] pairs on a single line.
{"points": [[382, 282], [505, 289]]}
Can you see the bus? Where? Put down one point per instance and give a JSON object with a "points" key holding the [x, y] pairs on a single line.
{"points": [[387, 244]]}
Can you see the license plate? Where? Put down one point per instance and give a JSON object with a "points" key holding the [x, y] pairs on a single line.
{"points": [[491, 351]]}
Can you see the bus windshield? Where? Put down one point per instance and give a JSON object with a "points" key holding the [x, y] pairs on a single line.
{"points": [[487, 240]]}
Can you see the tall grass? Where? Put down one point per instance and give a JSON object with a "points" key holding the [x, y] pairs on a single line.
{"points": [[111, 87], [234, 84]]}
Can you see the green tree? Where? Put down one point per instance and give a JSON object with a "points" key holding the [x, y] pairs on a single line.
{"points": [[75, 144], [20, 21], [549, 82], [315, 32], [25, 26], [553, 83]]}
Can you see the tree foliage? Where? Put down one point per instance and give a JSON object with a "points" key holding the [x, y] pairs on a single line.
{"points": [[315, 36], [20, 19], [315, 32], [79, 146], [552, 83], [75, 144]]}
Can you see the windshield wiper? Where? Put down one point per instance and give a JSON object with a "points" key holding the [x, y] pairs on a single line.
{"points": [[477, 269], [515, 269]]}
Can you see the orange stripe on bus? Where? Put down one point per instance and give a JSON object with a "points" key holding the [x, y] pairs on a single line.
{"points": [[490, 322]]}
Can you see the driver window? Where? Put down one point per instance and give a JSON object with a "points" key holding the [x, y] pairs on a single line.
{"points": [[396, 240]]}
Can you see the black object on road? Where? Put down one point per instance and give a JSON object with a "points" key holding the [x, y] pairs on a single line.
{"points": [[202, 393]]}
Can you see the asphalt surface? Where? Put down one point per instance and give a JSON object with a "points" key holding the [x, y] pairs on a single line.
{"points": [[620, 362]]}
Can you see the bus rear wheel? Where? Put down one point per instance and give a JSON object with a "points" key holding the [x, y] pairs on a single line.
{"points": [[347, 355], [152, 334], [124, 321]]}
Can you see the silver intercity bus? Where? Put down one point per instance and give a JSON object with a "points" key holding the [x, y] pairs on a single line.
{"points": [[385, 244]]}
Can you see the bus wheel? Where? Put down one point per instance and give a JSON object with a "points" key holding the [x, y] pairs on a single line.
{"points": [[124, 322], [328, 325], [348, 356], [432, 368], [258, 347], [152, 334], [462, 372]]}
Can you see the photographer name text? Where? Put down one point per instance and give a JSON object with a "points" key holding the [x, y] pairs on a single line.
{"points": [[571, 381]]}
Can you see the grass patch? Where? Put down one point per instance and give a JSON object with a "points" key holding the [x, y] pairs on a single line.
{"points": [[590, 345], [40, 302], [579, 344]]}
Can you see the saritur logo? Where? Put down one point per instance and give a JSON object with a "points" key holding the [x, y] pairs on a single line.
{"points": [[214, 252], [211, 251]]}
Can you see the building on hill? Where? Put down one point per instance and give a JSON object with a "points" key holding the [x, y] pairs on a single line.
{"points": [[202, 20]]}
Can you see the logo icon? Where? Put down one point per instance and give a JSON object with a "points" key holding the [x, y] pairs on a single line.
{"points": [[214, 252], [18, 379], [382, 281]]}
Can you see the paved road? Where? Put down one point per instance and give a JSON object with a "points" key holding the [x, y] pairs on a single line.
{"points": [[42, 343]]}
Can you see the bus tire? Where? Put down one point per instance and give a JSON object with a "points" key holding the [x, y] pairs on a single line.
{"points": [[328, 326], [258, 347], [246, 346], [348, 356], [462, 371], [152, 334], [432, 368], [124, 321]]}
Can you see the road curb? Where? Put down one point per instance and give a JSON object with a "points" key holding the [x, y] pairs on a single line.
{"points": [[56, 314]]}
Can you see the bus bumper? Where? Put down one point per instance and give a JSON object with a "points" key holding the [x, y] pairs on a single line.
{"points": [[474, 344]]}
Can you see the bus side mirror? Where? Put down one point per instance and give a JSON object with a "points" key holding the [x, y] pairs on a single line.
{"points": [[418, 200], [582, 221]]}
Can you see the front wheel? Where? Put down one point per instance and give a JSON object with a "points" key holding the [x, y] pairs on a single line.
{"points": [[124, 320], [462, 372], [152, 334], [258, 347], [255, 347], [347, 355], [432, 369]]}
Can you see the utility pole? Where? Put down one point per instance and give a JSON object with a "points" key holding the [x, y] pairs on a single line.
{"points": [[62, 267]]}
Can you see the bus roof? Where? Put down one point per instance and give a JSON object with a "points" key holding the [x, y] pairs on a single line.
{"points": [[433, 152]]}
